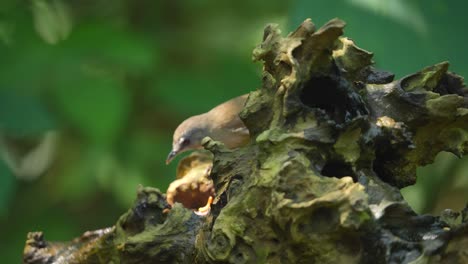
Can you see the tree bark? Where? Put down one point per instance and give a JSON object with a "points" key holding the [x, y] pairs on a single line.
{"points": [[332, 141]]}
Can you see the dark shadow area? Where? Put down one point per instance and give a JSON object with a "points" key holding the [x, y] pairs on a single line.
{"points": [[333, 95], [385, 157], [338, 169]]}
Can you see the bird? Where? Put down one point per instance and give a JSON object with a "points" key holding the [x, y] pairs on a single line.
{"points": [[221, 123]]}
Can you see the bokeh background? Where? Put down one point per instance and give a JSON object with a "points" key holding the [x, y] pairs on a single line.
{"points": [[90, 92]]}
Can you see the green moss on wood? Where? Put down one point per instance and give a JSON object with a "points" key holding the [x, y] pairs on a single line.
{"points": [[333, 140]]}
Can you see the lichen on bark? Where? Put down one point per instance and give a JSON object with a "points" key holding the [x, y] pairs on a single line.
{"points": [[332, 141]]}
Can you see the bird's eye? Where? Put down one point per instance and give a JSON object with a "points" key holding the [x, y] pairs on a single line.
{"points": [[184, 141]]}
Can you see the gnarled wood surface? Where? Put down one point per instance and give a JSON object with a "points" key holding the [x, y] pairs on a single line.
{"points": [[332, 141]]}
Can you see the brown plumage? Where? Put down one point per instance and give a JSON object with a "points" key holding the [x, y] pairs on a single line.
{"points": [[221, 123]]}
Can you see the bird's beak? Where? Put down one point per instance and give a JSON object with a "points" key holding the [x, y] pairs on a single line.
{"points": [[171, 156]]}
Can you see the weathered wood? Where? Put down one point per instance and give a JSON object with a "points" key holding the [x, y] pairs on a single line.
{"points": [[332, 141]]}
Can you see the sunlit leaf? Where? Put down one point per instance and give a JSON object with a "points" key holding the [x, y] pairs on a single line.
{"points": [[401, 11], [28, 158], [52, 20]]}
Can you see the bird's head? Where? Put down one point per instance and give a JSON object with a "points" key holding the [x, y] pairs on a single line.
{"points": [[187, 136]]}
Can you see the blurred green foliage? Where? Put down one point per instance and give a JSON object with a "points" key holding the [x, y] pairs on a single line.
{"points": [[7, 188], [404, 35], [115, 79]]}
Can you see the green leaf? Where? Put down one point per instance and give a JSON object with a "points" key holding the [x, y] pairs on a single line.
{"points": [[52, 20], [112, 45], [145, 152], [23, 115], [195, 91], [78, 178], [98, 106], [7, 188]]}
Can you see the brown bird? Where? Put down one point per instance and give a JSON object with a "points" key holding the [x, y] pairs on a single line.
{"points": [[221, 123]]}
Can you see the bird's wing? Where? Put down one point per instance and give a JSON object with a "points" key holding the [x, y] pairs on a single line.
{"points": [[226, 115]]}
